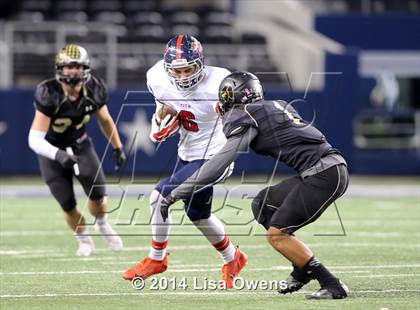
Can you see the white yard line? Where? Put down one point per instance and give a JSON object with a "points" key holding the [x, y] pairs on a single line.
{"points": [[25, 233], [59, 273], [102, 260], [141, 293], [30, 252], [235, 190], [202, 268], [389, 275], [180, 228], [63, 255], [376, 266], [38, 250], [232, 293]]}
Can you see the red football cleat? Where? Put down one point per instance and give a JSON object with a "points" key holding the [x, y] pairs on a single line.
{"points": [[231, 270], [146, 268]]}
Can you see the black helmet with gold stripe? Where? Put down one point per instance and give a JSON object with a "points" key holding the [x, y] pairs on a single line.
{"points": [[71, 55], [239, 88]]}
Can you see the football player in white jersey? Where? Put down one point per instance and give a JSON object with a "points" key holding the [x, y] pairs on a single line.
{"points": [[182, 82]]}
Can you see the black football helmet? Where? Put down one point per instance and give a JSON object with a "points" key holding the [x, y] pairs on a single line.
{"points": [[239, 88]]}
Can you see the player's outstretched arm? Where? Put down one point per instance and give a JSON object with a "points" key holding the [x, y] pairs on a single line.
{"points": [[217, 165]]}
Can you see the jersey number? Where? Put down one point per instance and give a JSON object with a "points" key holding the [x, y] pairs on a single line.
{"points": [[187, 121], [60, 125], [287, 113]]}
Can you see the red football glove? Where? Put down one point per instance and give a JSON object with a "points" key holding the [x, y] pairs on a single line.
{"points": [[168, 127]]}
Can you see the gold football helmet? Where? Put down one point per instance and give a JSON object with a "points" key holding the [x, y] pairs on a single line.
{"points": [[72, 54]]}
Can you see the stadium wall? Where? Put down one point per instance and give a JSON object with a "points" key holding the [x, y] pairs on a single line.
{"points": [[332, 110], [333, 107], [393, 31]]}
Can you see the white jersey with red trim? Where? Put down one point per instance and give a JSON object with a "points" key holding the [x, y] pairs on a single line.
{"points": [[201, 130]]}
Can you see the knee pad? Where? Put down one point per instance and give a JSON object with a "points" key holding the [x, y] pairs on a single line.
{"points": [[63, 195]]}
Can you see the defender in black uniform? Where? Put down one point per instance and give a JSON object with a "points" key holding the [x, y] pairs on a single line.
{"points": [[58, 135], [275, 129]]}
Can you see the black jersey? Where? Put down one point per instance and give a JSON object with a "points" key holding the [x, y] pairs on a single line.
{"points": [[69, 119], [282, 133]]}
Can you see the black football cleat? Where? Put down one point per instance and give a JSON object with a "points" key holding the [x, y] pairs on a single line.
{"points": [[337, 291], [293, 285]]}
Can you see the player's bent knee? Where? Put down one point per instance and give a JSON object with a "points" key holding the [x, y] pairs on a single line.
{"points": [[68, 206], [97, 201], [195, 215], [199, 222], [262, 214], [154, 198], [256, 209], [97, 193], [62, 194]]}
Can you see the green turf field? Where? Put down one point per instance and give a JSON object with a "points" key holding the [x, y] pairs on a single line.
{"points": [[378, 259]]}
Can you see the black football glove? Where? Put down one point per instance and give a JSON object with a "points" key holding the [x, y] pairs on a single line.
{"points": [[120, 158], [66, 160], [165, 203]]}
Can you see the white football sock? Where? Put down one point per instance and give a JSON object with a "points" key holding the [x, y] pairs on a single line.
{"points": [[83, 236], [111, 237], [103, 220], [214, 231], [86, 244], [160, 229]]}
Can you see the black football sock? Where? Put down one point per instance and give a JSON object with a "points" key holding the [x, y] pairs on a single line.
{"points": [[300, 275], [315, 270]]}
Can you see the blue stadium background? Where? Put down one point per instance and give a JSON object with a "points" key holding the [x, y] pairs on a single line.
{"points": [[336, 106]]}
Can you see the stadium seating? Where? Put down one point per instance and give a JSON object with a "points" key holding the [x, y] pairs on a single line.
{"points": [[145, 22], [36, 5], [70, 5]]}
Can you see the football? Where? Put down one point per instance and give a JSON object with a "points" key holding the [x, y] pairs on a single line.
{"points": [[164, 111]]}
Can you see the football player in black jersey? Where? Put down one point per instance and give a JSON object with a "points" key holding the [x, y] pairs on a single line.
{"points": [[58, 135], [275, 129]]}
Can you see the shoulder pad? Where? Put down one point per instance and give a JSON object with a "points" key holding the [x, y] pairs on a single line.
{"points": [[47, 97], [97, 90], [157, 80], [237, 121]]}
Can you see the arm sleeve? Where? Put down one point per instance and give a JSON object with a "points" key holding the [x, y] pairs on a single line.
{"points": [[39, 145], [216, 166]]}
